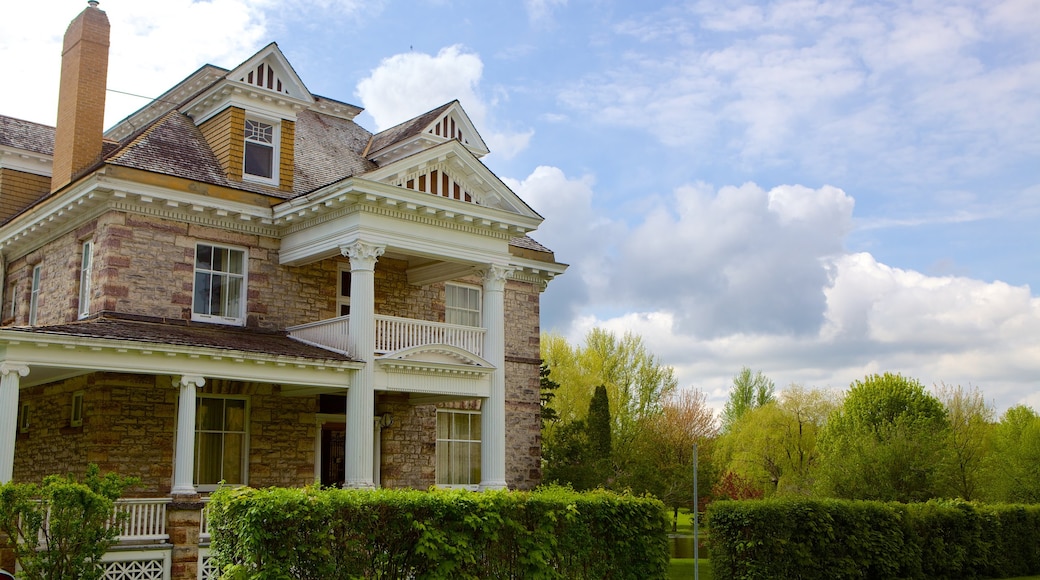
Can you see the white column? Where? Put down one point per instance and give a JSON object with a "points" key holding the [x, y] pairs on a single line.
{"points": [[361, 399], [10, 377], [493, 409], [184, 463]]}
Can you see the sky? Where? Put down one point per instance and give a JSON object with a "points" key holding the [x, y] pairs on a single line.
{"points": [[818, 190]]}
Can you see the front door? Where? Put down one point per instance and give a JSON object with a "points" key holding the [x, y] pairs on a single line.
{"points": [[333, 453]]}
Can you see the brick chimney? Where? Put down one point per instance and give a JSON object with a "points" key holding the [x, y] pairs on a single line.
{"points": [[81, 99]]}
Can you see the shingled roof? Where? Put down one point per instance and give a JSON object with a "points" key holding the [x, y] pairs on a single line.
{"points": [[180, 333], [26, 135], [407, 129]]}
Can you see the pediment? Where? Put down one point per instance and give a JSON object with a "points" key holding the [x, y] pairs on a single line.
{"points": [[435, 359], [269, 71], [448, 122], [451, 171]]}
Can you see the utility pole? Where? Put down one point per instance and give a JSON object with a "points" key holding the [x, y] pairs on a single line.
{"points": [[696, 509]]}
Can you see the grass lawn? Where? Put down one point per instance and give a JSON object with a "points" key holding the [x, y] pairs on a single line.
{"points": [[682, 569]]}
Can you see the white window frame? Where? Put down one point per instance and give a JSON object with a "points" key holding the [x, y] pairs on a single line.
{"points": [[24, 416], [223, 431], [342, 298], [34, 295], [275, 146], [453, 313], [76, 415], [86, 269], [239, 318], [451, 445]]}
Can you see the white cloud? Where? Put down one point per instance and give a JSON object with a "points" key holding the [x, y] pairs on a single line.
{"points": [[541, 11], [715, 279], [406, 85]]}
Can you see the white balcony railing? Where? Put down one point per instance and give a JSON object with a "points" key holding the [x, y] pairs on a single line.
{"points": [[392, 334], [145, 520]]}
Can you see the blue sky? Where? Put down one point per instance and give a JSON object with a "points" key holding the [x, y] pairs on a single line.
{"points": [[815, 189]]}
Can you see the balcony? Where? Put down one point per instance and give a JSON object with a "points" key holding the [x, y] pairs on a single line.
{"points": [[392, 334]]}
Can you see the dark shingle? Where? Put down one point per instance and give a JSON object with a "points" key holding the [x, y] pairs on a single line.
{"points": [[407, 129], [26, 135], [191, 335]]}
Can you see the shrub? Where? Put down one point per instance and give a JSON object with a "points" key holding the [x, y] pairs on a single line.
{"points": [[61, 529], [313, 533], [801, 538]]}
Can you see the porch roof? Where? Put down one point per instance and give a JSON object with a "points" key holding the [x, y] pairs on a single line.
{"points": [[184, 333]]}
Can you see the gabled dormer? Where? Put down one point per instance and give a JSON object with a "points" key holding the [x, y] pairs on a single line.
{"points": [[249, 119], [448, 122]]}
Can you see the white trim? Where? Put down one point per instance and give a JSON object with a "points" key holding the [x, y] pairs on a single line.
{"points": [[275, 145], [245, 433], [24, 417], [122, 556], [341, 299], [243, 294], [77, 412], [462, 310], [474, 419], [86, 272], [34, 294]]}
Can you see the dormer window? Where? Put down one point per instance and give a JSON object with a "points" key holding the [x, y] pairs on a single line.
{"points": [[260, 155]]}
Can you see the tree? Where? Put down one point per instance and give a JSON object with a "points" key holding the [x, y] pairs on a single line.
{"points": [[749, 391], [635, 381], [663, 464], [1016, 456], [599, 423], [885, 442], [774, 446], [968, 441], [547, 389]]}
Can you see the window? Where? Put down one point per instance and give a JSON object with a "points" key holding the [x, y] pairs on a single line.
{"points": [[343, 291], [23, 418], [76, 418], [458, 448], [34, 296], [462, 305], [220, 441], [84, 279], [261, 141], [220, 284]]}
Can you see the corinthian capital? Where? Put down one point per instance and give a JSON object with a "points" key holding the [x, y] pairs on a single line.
{"points": [[362, 255], [495, 276]]}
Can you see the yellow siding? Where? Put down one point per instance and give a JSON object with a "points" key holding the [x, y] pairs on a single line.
{"points": [[288, 145], [18, 190]]}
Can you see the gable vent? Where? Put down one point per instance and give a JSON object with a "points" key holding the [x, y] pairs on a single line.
{"points": [[446, 128], [265, 78], [436, 181]]}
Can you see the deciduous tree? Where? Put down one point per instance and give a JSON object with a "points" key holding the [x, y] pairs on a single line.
{"points": [[749, 392], [885, 442]]}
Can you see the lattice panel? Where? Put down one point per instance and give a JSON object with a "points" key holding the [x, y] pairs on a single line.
{"points": [[134, 570], [208, 568]]}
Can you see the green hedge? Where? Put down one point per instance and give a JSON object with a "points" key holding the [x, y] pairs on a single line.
{"points": [[835, 539], [329, 534]]}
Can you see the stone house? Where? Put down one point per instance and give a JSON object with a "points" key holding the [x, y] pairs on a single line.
{"points": [[240, 284]]}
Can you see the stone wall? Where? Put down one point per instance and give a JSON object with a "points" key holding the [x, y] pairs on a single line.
{"points": [[129, 427]]}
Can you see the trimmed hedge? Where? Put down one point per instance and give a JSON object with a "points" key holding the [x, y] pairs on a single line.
{"points": [[836, 539], [328, 534]]}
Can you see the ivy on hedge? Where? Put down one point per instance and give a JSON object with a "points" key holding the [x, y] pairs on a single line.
{"points": [[837, 539], [329, 534]]}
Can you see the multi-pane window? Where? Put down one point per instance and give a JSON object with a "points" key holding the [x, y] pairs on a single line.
{"points": [[260, 141], [76, 417], [343, 291], [221, 431], [462, 304], [34, 296], [86, 265], [458, 448], [220, 284]]}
